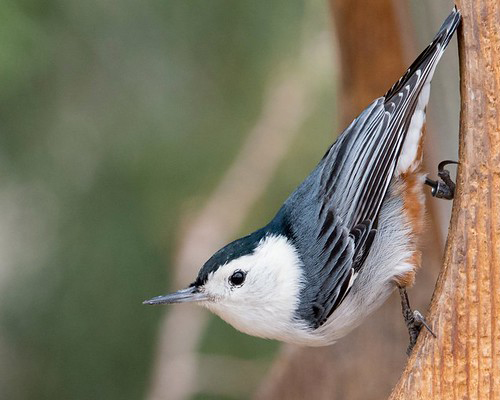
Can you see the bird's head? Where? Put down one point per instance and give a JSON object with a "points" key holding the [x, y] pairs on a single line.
{"points": [[252, 283]]}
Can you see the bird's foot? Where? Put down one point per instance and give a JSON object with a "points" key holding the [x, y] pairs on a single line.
{"points": [[414, 320], [443, 188]]}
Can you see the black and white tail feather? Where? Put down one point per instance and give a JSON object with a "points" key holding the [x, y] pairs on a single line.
{"points": [[355, 175]]}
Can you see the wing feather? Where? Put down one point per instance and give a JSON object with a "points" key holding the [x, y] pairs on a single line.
{"points": [[354, 177]]}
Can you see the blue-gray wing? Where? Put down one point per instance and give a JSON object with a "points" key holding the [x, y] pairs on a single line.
{"points": [[353, 178]]}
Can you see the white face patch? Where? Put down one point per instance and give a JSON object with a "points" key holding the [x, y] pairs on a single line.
{"points": [[264, 304]]}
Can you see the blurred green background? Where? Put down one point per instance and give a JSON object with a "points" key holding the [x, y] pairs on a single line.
{"points": [[116, 118]]}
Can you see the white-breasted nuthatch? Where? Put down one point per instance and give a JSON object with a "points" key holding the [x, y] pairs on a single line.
{"points": [[345, 238]]}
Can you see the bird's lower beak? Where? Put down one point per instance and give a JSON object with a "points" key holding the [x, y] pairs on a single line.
{"points": [[188, 295]]}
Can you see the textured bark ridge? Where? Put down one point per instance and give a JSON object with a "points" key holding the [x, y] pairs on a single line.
{"points": [[464, 361]]}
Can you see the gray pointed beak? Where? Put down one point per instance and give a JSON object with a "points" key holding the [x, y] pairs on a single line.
{"points": [[188, 295]]}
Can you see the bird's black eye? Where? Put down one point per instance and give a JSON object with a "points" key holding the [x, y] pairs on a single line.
{"points": [[237, 278]]}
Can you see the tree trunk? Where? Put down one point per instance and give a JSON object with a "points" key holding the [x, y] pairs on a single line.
{"points": [[464, 360]]}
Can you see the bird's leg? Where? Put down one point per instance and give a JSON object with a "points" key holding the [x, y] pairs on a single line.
{"points": [[414, 320], [443, 188]]}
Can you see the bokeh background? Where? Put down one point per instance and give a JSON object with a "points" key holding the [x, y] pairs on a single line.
{"points": [[136, 138]]}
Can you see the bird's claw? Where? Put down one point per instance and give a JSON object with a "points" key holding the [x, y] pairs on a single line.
{"points": [[414, 320], [420, 319], [443, 188]]}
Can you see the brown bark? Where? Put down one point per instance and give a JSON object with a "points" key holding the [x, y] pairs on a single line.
{"points": [[366, 364], [464, 360]]}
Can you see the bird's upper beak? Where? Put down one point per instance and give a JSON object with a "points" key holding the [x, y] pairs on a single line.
{"points": [[188, 295]]}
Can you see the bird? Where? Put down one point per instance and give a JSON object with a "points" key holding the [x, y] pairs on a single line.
{"points": [[348, 235]]}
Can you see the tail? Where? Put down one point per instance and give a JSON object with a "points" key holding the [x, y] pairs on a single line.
{"points": [[428, 59], [414, 88]]}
